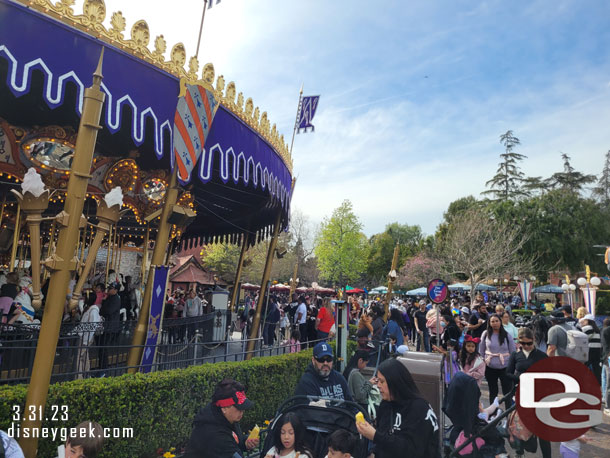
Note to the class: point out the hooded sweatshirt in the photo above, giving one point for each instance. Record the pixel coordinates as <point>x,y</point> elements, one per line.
<point>214,437</point>
<point>406,429</point>
<point>312,384</point>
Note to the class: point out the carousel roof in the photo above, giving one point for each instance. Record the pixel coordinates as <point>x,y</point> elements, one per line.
<point>47,56</point>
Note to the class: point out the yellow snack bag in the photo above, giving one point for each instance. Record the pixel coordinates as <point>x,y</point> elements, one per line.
<point>360,418</point>
<point>254,434</point>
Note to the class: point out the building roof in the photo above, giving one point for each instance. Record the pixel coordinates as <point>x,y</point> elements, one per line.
<point>188,269</point>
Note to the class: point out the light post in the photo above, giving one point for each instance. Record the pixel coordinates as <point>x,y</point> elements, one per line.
<point>569,289</point>
<point>108,214</point>
<point>33,201</point>
<point>588,286</point>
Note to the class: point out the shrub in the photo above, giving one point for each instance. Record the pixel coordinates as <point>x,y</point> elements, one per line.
<point>160,406</point>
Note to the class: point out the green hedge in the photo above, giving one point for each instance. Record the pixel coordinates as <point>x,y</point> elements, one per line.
<point>160,406</point>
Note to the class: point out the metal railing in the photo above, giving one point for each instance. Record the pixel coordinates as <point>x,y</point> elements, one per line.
<point>87,350</point>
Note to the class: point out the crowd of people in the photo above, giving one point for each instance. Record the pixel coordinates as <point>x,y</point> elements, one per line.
<point>404,419</point>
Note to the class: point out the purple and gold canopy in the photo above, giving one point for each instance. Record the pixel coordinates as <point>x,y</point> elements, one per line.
<point>47,56</point>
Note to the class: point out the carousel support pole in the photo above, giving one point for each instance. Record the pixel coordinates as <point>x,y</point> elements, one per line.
<point>240,267</point>
<point>33,207</point>
<point>21,260</point>
<point>11,267</point>
<point>107,217</point>
<point>391,278</point>
<point>265,279</point>
<point>82,252</point>
<point>2,209</point>
<point>64,261</point>
<point>108,255</point>
<point>145,254</point>
<point>122,242</point>
<point>50,246</point>
<point>163,233</point>
<point>115,235</point>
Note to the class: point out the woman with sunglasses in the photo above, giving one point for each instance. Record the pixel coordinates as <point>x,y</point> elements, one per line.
<point>518,363</point>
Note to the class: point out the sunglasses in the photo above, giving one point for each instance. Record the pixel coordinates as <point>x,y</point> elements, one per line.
<point>521,342</point>
<point>324,359</point>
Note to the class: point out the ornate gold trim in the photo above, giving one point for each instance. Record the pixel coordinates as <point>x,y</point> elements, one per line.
<point>90,22</point>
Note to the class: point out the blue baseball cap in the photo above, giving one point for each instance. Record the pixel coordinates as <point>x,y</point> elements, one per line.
<point>322,349</point>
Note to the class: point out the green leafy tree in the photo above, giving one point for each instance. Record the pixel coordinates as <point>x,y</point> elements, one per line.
<point>410,240</point>
<point>506,183</point>
<point>570,179</point>
<point>455,209</point>
<point>561,229</point>
<point>602,190</point>
<point>534,186</point>
<point>340,247</point>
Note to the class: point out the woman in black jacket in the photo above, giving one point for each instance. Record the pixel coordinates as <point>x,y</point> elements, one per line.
<point>518,363</point>
<point>407,426</point>
<point>216,431</point>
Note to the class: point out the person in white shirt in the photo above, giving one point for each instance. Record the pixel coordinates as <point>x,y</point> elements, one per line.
<point>300,319</point>
<point>91,322</point>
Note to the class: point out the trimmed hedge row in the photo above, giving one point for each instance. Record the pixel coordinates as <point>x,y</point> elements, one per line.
<point>160,406</point>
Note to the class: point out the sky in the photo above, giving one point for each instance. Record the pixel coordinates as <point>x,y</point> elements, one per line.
<point>414,95</point>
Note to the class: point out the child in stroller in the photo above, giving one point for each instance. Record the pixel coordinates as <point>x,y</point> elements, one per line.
<point>320,418</point>
<point>471,423</point>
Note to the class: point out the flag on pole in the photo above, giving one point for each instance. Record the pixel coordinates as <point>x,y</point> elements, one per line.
<point>211,2</point>
<point>192,121</point>
<point>307,111</point>
<point>525,288</point>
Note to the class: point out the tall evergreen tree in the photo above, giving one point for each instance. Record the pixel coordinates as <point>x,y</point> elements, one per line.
<point>506,184</point>
<point>569,180</point>
<point>602,190</point>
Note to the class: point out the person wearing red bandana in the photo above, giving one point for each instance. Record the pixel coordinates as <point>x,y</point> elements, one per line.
<point>216,431</point>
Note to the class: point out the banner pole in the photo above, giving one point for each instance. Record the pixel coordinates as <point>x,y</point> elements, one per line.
<point>296,122</point>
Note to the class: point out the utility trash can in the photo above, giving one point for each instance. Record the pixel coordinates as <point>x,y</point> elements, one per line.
<point>427,372</point>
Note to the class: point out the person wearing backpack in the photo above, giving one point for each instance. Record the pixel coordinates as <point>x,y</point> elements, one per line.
<point>519,362</point>
<point>590,328</point>
<point>563,340</point>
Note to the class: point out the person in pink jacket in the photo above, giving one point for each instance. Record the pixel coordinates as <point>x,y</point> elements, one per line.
<point>471,362</point>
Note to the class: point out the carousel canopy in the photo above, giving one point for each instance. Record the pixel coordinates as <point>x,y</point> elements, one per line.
<point>48,53</point>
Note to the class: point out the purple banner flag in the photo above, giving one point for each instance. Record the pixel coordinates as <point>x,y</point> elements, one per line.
<point>157,304</point>
<point>211,2</point>
<point>307,111</point>
<point>194,115</point>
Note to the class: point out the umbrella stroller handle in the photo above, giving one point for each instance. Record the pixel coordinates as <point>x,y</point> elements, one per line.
<point>490,425</point>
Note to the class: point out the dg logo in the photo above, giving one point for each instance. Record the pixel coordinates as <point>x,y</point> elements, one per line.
<point>559,399</point>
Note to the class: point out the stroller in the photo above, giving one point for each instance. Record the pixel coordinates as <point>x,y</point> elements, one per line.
<point>320,422</point>
<point>470,436</point>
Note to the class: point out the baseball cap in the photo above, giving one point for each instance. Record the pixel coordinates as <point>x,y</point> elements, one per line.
<point>588,316</point>
<point>465,310</point>
<point>422,302</point>
<point>322,349</point>
<point>113,285</point>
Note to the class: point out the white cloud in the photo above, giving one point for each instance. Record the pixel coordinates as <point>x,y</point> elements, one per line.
<point>414,95</point>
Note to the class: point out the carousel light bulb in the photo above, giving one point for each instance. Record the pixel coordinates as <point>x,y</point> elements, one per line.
<point>581,281</point>
<point>32,182</point>
<point>595,281</point>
